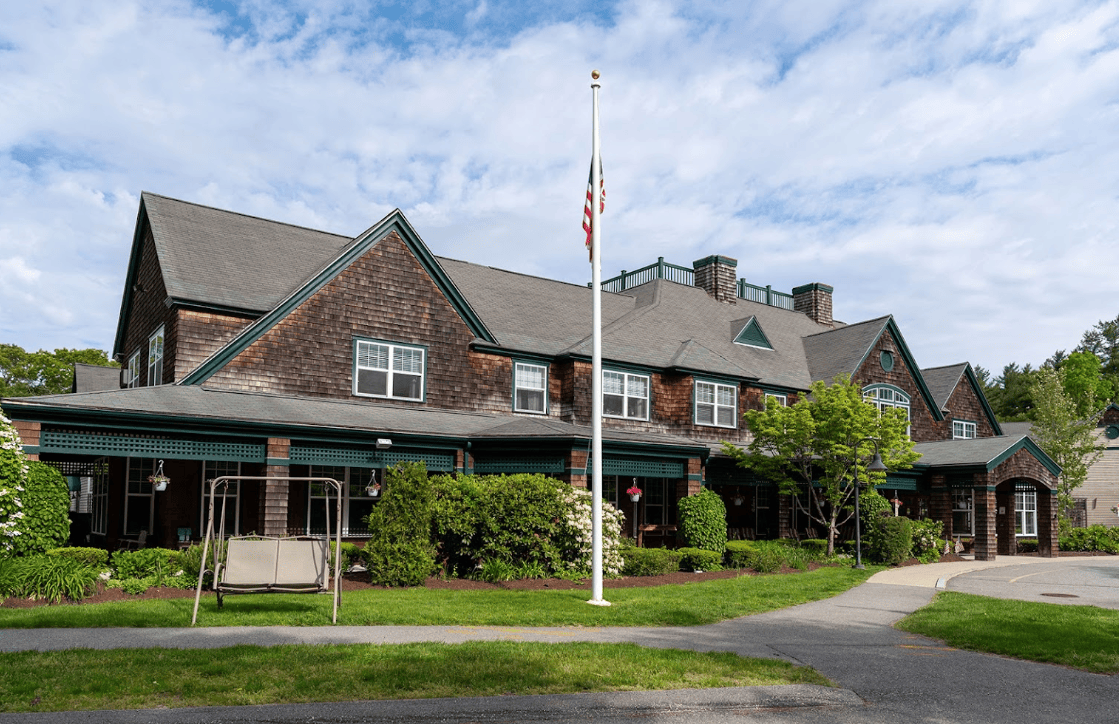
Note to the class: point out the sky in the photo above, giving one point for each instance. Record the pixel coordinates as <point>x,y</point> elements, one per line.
<point>951,163</point>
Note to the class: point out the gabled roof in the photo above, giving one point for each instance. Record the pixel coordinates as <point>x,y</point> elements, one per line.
<point>984,452</point>
<point>223,260</point>
<point>752,335</point>
<point>843,351</point>
<point>394,222</point>
<point>943,381</point>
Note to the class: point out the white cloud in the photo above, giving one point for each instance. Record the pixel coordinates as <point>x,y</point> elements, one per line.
<point>949,162</point>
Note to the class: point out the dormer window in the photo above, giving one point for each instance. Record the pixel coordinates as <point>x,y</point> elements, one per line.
<point>393,371</point>
<point>752,335</point>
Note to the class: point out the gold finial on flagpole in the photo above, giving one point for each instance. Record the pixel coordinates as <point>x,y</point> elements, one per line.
<point>595,74</point>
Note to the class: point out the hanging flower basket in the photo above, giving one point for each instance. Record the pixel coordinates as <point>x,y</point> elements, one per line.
<point>159,481</point>
<point>373,490</point>
<point>634,493</point>
<point>739,500</point>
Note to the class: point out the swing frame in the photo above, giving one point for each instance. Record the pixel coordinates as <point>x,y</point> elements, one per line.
<point>271,584</point>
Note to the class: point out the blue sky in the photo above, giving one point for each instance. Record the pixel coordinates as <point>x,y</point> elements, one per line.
<point>951,163</point>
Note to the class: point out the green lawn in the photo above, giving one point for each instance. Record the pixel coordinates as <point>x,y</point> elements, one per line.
<point>149,678</point>
<point>682,605</point>
<point>1084,637</point>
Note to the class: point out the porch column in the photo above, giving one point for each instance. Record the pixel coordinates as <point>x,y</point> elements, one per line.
<point>274,491</point>
<point>1008,541</point>
<point>1048,540</point>
<point>940,503</point>
<point>575,470</point>
<point>985,534</point>
<point>692,484</point>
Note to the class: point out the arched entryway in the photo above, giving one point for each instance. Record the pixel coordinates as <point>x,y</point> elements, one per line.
<point>1025,510</point>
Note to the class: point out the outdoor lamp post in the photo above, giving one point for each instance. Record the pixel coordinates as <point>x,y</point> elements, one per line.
<point>877,466</point>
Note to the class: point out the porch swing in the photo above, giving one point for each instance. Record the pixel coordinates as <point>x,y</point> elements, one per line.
<point>270,564</point>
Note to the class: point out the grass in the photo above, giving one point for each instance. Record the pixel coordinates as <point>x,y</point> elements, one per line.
<point>1083,637</point>
<point>691,604</point>
<point>82,679</point>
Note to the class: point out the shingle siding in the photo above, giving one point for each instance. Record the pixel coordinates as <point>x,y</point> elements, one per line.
<point>923,426</point>
<point>148,312</point>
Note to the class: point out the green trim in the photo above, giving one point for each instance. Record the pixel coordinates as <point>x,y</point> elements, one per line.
<point>713,259</point>
<point>512,353</point>
<point>370,458</point>
<point>142,222</point>
<point>1030,445</point>
<point>910,363</point>
<point>283,462</point>
<point>395,221</point>
<point>813,287</point>
<point>84,443</point>
<point>969,373</point>
<point>886,360</point>
<point>511,464</point>
<point>575,471</point>
<point>695,476</point>
<point>513,386</point>
<point>223,309</point>
<point>753,336</point>
<point>353,369</point>
<point>31,449</point>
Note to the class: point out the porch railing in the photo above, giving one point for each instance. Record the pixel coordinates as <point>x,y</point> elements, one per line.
<point>683,275</point>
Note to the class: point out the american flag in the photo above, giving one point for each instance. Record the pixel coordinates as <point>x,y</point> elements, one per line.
<point>588,210</point>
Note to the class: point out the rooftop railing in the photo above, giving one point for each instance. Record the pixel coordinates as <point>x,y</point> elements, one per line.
<point>682,275</point>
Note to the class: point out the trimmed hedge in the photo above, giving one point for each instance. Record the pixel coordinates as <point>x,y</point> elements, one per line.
<point>649,561</point>
<point>738,553</point>
<point>703,521</point>
<point>93,557</point>
<point>1093,538</point>
<point>400,551</point>
<point>699,559</point>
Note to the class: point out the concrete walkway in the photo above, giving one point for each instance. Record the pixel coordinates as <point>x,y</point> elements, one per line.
<point>849,638</point>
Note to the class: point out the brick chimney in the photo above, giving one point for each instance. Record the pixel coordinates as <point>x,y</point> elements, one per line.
<point>716,275</point>
<point>814,300</point>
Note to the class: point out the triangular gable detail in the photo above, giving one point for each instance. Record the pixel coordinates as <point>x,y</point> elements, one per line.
<point>969,373</point>
<point>753,336</point>
<point>907,356</point>
<point>130,277</point>
<point>1032,447</point>
<point>395,221</point>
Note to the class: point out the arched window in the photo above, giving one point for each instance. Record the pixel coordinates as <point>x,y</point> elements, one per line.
<point>887,396</point>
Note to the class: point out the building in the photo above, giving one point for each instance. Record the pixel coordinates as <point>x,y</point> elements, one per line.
<point>258,348</point>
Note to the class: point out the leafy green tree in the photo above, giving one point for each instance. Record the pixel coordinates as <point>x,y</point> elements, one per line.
<point>1102,340</point>
<point>23,373</point>
<point>1063,432</point>
<point>1082,375</point>
<point>810,447</point>
<point>1010,394</point>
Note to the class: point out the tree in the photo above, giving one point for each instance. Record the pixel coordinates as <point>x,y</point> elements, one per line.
<point>23,373</point>
<point>1083,381</point>
<point>808,449</point>
<point>1010,395</point>
<point>1063,432</point>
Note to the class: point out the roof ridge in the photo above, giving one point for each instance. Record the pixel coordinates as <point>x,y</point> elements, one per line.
<point>624,319</point>
<point>941,367</point>
<point>883,319</point>
<point>524,274</point>
<point>243,215</point>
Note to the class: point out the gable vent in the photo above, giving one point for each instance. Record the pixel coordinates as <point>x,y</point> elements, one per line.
<point>753,336</point>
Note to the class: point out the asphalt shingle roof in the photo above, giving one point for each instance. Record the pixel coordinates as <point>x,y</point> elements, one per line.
<point>91,378</point>
<point>232,260</point>
<point>839,351</point>
<point>202,404</point>
<point>942,381</point>
<point>980,451</point>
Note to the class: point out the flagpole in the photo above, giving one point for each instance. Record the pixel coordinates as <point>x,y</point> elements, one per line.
<point>596,356</point>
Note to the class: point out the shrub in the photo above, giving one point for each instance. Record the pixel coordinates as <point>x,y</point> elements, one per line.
<point>872,508</point>
<point>46,511</point>
<point>738,553</point>
<point>13,477</point>
<point>351,556</point>
<point>699,559</point>
<point>815,548</point>
<point>400,550</point>
<point>1027,545</point>
<point>191,561</point>
<point>890,540</point>
<point>147,562</point>
<point>928,540</point>
<point>765,557</point>
<point>650,561</point>
<point>1093,538</point>
<point>97,558</point>
<point>47,577</point>
<point>703,521</point>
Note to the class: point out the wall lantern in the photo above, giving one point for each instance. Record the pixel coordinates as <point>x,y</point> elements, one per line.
<point>383,443</point>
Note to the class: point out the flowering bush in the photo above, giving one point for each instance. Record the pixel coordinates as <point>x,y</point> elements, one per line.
<point>575,535</point>
<point>13,477</point>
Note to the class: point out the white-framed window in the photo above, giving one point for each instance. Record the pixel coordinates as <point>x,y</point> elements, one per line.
<point>781,400</point>
<point>357,503</point>
<point>530,387</point>
<point>1025,512</point>
<point>99,497</point>
<point>215,469</point>
<point>625,395</point>
<point>885,398</point>
<point>155,357</point>
<point>963,430</point>
<point>139,499</point>
<point>132,371</point>
<point>394,371</point>
<point>963,514</point>
<point>715,404</point>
